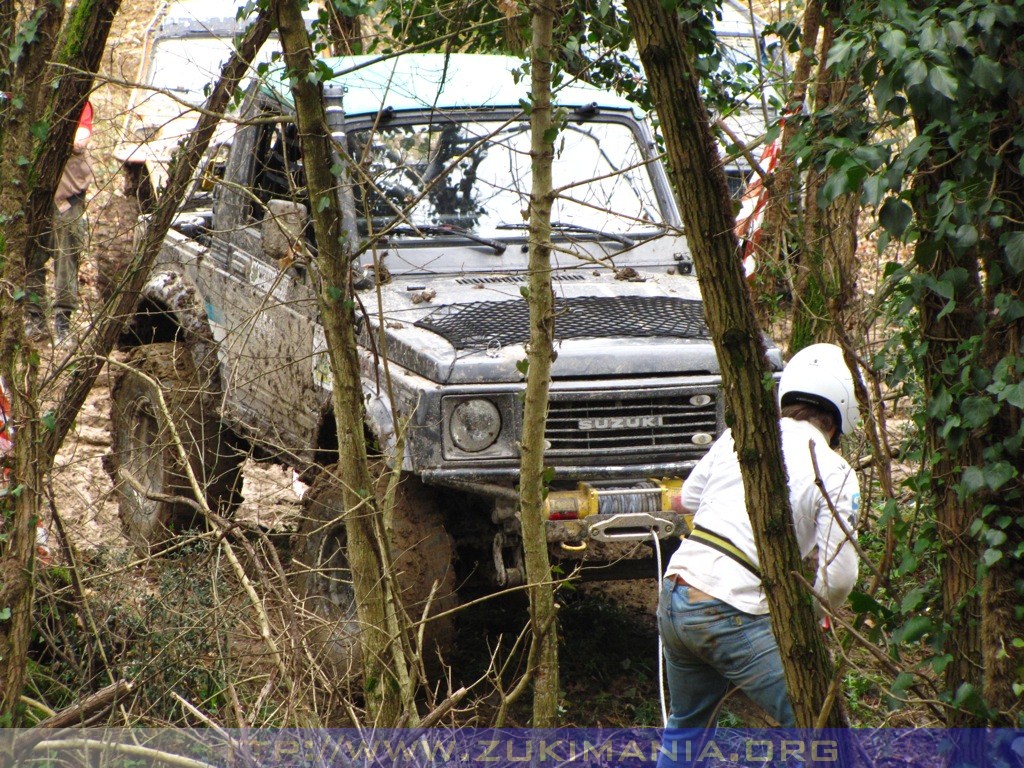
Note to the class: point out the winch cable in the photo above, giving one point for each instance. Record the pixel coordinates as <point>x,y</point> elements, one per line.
<point>661,647</point>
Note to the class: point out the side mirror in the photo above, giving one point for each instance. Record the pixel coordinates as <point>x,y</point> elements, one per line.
<point>282,231</point>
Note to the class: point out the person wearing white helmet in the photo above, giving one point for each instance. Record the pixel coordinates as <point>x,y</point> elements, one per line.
<point>712,612</point>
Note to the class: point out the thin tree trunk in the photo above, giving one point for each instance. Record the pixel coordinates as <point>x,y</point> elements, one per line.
<point>345,30</point>
<point>752,410</point>
<point>826,271</point>
<point>385,663</point>
<point>542,328</point>
<point>778,220</point>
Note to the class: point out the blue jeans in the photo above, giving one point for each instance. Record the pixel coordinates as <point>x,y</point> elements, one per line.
<point>709,645</point>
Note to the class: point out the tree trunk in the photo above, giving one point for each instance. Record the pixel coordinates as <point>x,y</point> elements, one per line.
<point>386,677</point>
<point>826,270</point>
<point>1002,622</point>
<point>953,515</point>
<point>542,329</point>
<point>777,227</point>
<point>29,170</point>
<point>345,30</point>
<point>752,410</point>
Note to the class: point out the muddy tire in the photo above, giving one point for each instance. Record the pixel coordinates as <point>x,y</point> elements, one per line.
<point>149,476</point>
<point>422,550</point>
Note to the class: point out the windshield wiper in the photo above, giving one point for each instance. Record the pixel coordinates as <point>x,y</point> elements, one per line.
<point>564,228</point>
<point>420,230</point>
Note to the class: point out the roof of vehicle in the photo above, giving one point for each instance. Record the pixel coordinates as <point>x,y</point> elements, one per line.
<point>206,18</point>
<point>438,81</point>
<point>184,18</point>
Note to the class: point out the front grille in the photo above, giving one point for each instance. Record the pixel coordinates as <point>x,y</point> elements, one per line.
<point>484,323</point>
<point>581,427</point>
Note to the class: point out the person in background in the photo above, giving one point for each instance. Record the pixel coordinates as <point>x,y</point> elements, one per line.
<point>712,612</point>
<point>65,240</point>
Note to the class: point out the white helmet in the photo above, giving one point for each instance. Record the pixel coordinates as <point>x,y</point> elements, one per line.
<point>818,375</point>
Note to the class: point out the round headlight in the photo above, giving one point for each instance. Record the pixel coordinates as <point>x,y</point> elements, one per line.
<point>475,425</point>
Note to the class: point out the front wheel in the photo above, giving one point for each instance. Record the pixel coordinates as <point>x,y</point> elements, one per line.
<point>421,549</point>
<point>158,390</point>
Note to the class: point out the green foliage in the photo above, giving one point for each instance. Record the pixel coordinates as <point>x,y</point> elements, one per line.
<point>163,630</point>
<point>176,647</point>
<point>26,35</point>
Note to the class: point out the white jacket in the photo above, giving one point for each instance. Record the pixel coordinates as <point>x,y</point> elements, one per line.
<point>715,491</point>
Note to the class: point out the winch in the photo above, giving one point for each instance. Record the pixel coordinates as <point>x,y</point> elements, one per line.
<point>616,511</point>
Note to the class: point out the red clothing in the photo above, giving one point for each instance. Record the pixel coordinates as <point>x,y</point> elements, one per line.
<point>6,430</point>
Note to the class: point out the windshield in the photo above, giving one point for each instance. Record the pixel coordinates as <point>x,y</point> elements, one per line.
<point>474,175</point>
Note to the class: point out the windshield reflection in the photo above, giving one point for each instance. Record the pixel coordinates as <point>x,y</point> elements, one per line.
<point>474,175</point>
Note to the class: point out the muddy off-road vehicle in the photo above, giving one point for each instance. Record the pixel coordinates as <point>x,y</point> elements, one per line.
<point>228,327</point>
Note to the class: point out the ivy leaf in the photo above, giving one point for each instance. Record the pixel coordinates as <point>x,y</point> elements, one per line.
<point>999,474</point>
<point>1013,244</point>
<point>874,188</point>
<point>968,696</point>
<point>913,600</point>
<point>895,216</point>
<point>1014,395</point>
<point>973,479</point>
<point>990,557</point>
<point>994,537</point>
<point>861,602</point>
<point>5,613</point>
<point>914,629</point>
<point>987,74</point>
<point>903,681</point>
<point>940,405</point>
<point>39,130</point>
<point>977,411</point>
<point>966,236</point>
<point>942,80</point>
<point>915,73</point>
<point>894,41</point>
<point>844,180</point>
<point>840,51</point>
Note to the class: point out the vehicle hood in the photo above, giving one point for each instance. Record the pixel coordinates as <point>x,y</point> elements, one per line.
<point>471,330</point>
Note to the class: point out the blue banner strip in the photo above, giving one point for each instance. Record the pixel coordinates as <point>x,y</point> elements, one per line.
<point>515,748</point>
